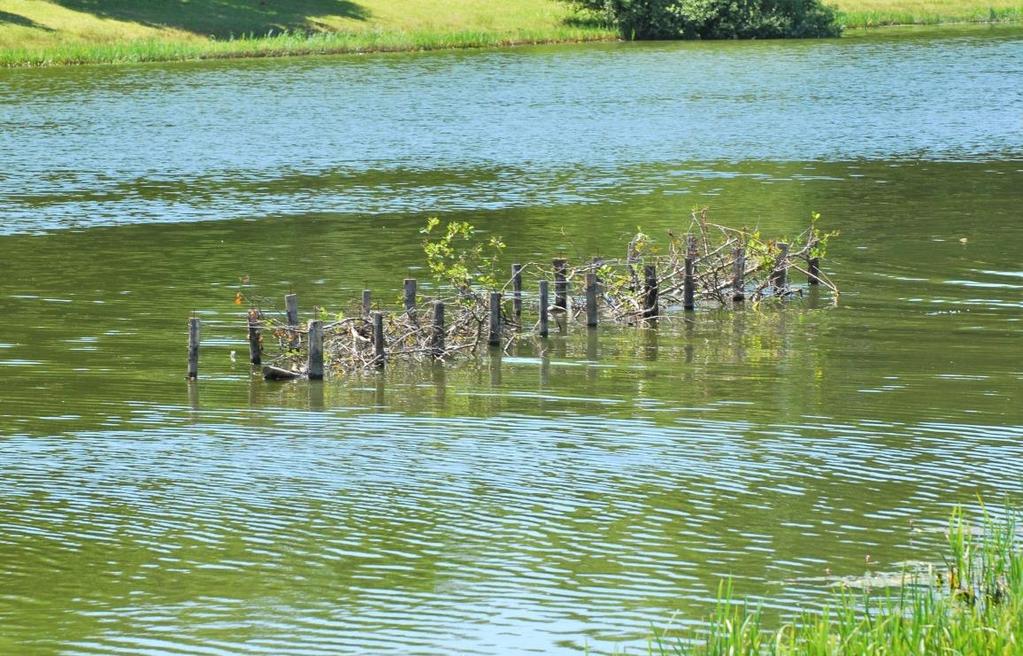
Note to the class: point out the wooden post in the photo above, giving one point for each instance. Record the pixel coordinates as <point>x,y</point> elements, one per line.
<point>193,348</point>
<point>495,318</point>
<point>780,275</point>
<point>437,338</point>
<point>739,274</point>
<point>255,338</point>
<point>689,276</point>
<point>591,300</point>
<point>410,297</point>
<point>650,310</point>
<point>560,285</point>
<point>291,308</point>
<point>315,350</point>
<point>544,304</point>
<point>379,347</point>
<point>367,302</point>
<point>517,292</point>
<point>814,271</point>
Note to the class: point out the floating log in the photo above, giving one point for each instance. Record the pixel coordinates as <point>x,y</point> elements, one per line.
<point>271,372</point>
<point>193,348</point>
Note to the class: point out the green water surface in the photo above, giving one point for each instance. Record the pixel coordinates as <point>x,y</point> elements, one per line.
<point>563,496</point>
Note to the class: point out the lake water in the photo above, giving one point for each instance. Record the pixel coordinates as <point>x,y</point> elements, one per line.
<point>536,504</point>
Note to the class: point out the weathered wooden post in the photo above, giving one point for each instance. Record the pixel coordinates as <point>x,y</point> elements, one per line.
<point>495,318</point>
<point>650,310</point>
<point>255,338</point>
<point>689,275</point>
<point>367,302</point>
<point>291,309</point>
<point>379,347</point>
<point>315,367</point>
<point>780,275</point>
<point>544,305</point>
<point>591,300</point>
<point>739,274</point>
<point>410,297</point>
<point>560,284</point>
<point>437,337</point>
<point>193,348</point>
<point>814,271</point>
<point>517,292</point>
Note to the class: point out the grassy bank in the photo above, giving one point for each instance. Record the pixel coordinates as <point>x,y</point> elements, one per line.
<point>875,13</point>
<point>44,32</point>
<point>54,32</point>
<point>972,606</point>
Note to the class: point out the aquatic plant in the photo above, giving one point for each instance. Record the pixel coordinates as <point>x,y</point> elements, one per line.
<point>973,608</point>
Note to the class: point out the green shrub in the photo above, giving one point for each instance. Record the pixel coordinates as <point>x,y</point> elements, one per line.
<point>717,19</point>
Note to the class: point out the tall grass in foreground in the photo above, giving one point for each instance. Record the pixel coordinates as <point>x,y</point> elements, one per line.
<point>974,607</point>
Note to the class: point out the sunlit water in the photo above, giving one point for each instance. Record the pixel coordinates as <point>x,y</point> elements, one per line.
<point>556,498</point>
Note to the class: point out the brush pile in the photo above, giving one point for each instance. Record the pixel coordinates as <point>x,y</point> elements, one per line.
<point>711,266</point>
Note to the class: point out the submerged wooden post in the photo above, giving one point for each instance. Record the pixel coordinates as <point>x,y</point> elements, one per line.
<point>544,304</point>
<point>780,275</point>
<point>560,284</point>
<point>813,271</point>
<point>291,309</point>
<point>689,275</point>
<point>591,300</point>
<point>517,292</point>
<point>379,348</point>
<point>437,335</point>
<point>495,318</point>
<point>193,348</point>
<point>255,338</point>
<point>315,350</point>
<point>410,297</point>
<point>739,274</point>
<point>367,302</point>
<point>650,310</point>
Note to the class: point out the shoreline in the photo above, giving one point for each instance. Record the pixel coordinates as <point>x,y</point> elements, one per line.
<point>341,43</point>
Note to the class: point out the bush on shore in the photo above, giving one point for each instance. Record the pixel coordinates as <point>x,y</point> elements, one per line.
<point>716,19</point>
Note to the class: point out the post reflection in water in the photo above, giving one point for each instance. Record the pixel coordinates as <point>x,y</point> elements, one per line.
<point>316,389</point>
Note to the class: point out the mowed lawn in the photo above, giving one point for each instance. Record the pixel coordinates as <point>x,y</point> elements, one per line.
<point>39,32</point>
<point>71,31</point>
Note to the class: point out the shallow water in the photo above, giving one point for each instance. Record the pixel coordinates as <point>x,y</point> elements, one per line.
<point>543,502</point>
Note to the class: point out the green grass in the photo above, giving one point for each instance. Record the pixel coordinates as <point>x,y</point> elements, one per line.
<point>53,32</point>
<point>279,45</point>
<point>974,608</point>
<point>877,13</point>
<point>48,32</point>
